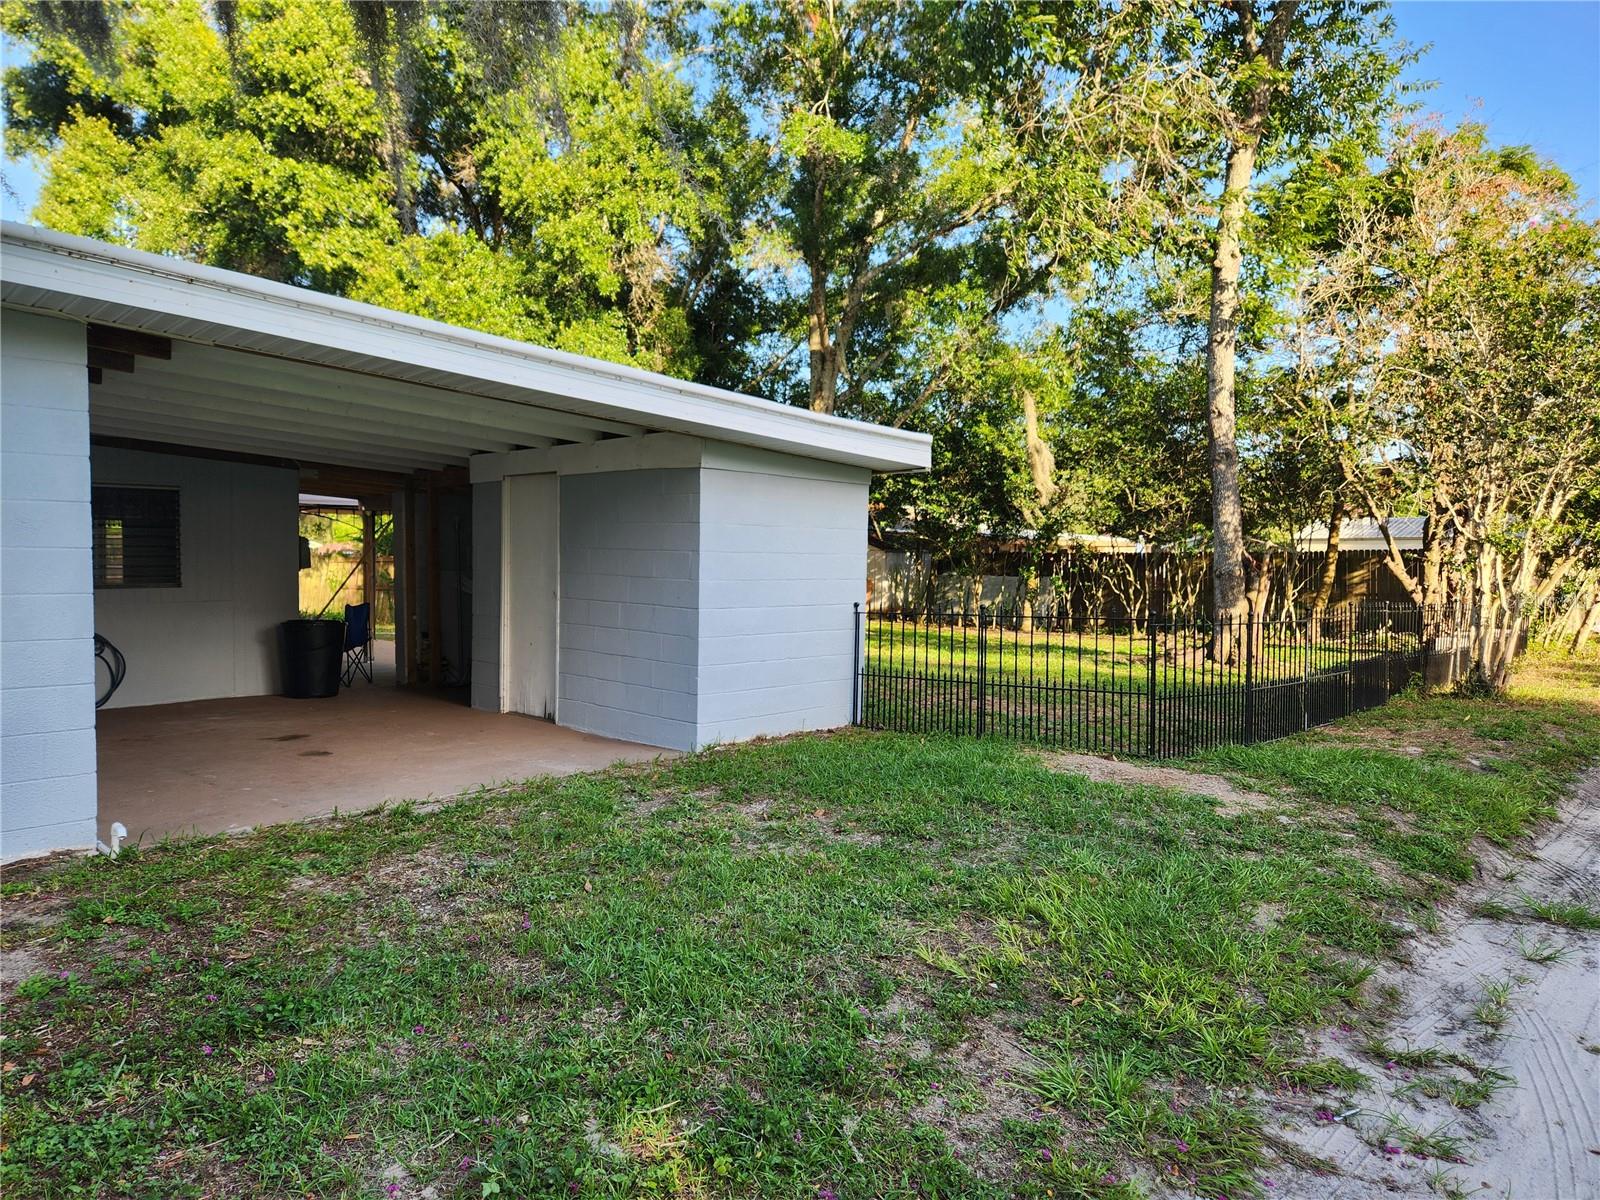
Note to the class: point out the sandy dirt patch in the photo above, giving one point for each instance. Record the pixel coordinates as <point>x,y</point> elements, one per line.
<point>1230,798</point>
<point>1539,1137</point>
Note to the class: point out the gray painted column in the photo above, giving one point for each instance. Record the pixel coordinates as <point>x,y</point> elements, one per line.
<point>486,596</point>
<point>47,665</point>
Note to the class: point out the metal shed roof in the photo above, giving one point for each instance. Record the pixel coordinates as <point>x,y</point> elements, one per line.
<point>264,367</point>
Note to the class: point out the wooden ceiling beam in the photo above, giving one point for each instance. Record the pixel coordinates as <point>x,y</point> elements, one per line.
<point>109,360</point>
<point>127,341</point>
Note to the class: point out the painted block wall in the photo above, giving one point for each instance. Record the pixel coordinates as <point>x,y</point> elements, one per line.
<point>486,596</point>
<point>216,635</point>
<point>783,557</point>
<point>47,749</point>
<point>629,595</point>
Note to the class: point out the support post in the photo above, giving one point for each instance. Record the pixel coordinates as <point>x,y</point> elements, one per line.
<point>410,583</point>
<point>1249,676</point>
<point>982,670</point>
<point>1150,626</point>
<point>369,557</point>
<point>435,591</point>
<point>855,670</point>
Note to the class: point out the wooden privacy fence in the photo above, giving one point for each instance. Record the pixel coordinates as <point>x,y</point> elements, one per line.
<point>332,581</point>
<point>1158,688</point>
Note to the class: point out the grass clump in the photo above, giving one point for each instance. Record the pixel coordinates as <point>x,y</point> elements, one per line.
<point>1569,914</point>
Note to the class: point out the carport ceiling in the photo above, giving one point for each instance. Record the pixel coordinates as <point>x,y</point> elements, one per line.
<point>258,367</point>
<point>256,403</point>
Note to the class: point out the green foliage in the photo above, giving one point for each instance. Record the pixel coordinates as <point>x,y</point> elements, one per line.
<point>990,221</point>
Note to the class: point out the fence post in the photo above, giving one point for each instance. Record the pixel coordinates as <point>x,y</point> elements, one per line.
<point>1249,676</point>
<point>1150,625</point>
<point>982,655</point>
<point>1350,661</point>
<point>855,670</point>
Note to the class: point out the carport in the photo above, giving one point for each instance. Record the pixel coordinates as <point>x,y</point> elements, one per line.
<point>621,554</point>
<point>219,766</point>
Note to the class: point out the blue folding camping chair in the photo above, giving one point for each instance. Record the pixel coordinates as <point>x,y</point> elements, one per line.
<point>357,643</point>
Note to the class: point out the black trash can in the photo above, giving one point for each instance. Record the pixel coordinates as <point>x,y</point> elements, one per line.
<point>310,652</point>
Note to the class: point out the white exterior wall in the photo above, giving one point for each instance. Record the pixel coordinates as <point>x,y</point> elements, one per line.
<point>629,594</point>
<point>783,558</point>
<point>47,749</point>
<point>217,634</point>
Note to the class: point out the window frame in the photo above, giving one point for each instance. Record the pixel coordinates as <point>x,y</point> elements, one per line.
<point>101,499</point>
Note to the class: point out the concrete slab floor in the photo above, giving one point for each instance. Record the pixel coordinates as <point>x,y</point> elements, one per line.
<point>215,766</point>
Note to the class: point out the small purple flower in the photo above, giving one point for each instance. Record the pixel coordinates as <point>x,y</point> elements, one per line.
<point>1389,1066</point>
<point>418,1030</point>
<point>527,922</point>
<point>1108,1177</point>
<point>1046,1156</point>
<point>66,974</point>
<point>211,997</point>
<point>206,1049</point>
<point>824,1192</point>
<point>799,1138</point>
<point>1269,1183</point>
<point>1183,1146</point>
<point>1387,1149</point>
<point>467,1163</point>
<point>1324,1114</point>
<point>392,1189</point>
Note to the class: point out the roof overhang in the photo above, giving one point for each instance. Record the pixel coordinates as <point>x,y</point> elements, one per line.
<point>263,367</point>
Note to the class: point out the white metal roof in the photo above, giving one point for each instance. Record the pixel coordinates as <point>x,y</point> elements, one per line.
<point>1363,533</point>
<point>263,367</point>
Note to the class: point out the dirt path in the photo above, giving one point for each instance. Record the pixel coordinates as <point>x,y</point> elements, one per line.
<point>1538,1138</point>
<point>1113,770</point>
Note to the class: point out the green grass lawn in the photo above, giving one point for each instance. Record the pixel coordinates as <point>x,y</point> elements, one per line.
<point>855,965</point>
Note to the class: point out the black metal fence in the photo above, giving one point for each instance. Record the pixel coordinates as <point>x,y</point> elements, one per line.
<point>1158,688</point>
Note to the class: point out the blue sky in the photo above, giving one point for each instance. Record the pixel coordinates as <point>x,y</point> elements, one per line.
<point>1530,69</point>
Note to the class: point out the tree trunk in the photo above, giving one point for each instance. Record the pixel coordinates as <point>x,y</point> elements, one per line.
<point>1041,459</point>
<point>824,360</point>
<point>1591,619</point>
<point>1227,511</point>
<point>1257,48</point>
<point>1330,562</point>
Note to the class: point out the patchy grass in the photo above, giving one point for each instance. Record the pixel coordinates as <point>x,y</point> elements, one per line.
<point>1427,776</point>
<point>857,965</point>
<point>1570,914</point>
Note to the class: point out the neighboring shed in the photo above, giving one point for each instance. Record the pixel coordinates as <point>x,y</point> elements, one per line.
<point>619,552</point>
<point>1363,533</point>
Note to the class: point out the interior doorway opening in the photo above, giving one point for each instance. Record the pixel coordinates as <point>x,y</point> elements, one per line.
<point>404,546</point>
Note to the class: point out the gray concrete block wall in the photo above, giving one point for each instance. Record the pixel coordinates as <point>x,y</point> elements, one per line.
<point>217,634</point>
<point>47,687</point>
<point>629,624</point>
<point>783,547</point>
<point>486,501</point>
